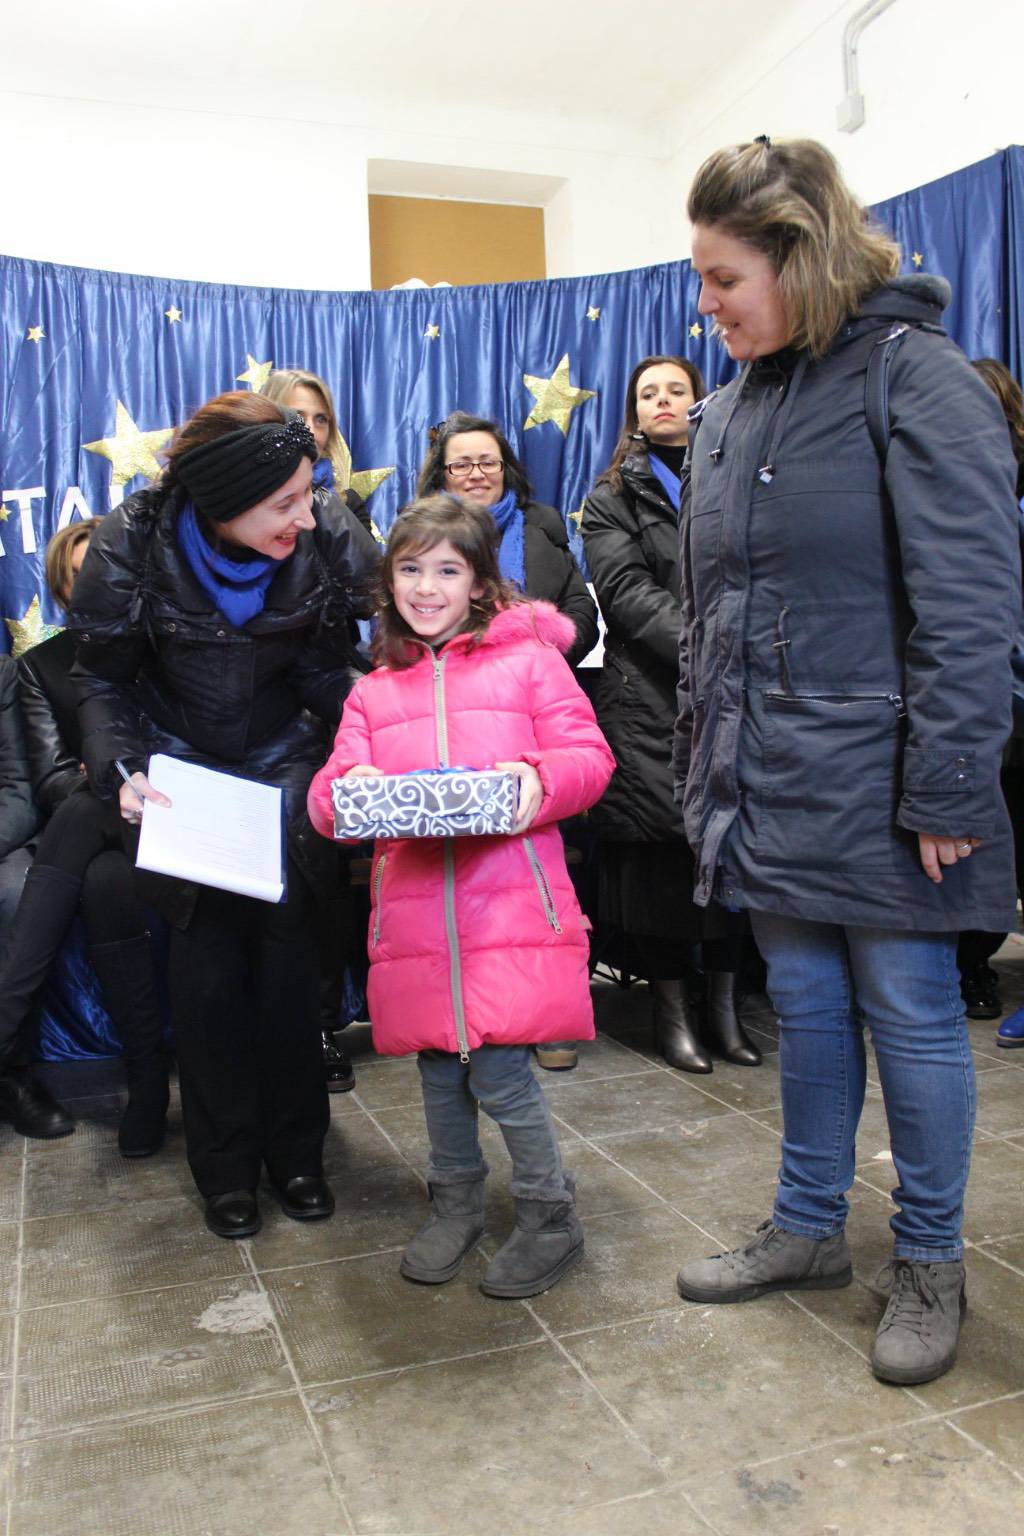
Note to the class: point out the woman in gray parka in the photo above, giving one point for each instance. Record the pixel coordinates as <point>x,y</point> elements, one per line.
<point>849,602</point>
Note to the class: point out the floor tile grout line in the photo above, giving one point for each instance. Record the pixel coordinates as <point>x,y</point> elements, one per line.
<point>420,1365</point>
<point>140,1290</point>
<point>16,1334</point>
<point>584,1376</point>
<point>152,1415</point>
<point>899,1426</point>
<point>987,1449</point>
<point>307,1411</point>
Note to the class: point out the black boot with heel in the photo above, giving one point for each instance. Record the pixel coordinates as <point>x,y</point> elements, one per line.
<point>676,1027</point>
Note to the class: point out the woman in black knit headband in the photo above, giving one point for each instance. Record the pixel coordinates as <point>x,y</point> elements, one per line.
<point>211,618</point>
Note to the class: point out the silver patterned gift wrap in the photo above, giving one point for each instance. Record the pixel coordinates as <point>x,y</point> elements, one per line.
<point>435,802</point>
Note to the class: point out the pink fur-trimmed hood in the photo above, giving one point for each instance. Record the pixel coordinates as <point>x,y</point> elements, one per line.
<point>537,620</point>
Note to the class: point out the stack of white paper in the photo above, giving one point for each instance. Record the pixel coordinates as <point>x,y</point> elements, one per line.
<point>218,830</point>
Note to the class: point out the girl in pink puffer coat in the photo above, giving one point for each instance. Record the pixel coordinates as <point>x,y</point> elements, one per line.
<point>478,947</point>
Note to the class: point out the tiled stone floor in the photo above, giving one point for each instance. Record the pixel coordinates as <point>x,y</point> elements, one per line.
<point>156,1381</point>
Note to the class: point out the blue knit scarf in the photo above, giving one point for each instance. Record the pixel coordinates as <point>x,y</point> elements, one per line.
<point>512,550</point>
<point>671,484</point>
<point>323,474</point>
<point>237,587</point>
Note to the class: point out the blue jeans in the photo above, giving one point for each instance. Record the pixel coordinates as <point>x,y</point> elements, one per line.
<point>826,982</point>
<point>499,1078</point>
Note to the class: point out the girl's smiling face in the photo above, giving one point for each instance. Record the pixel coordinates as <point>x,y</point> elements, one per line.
<point>433,589</point>
<point>740,292</point>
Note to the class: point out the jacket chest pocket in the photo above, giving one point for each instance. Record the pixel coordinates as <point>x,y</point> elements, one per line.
<point>830,780</point>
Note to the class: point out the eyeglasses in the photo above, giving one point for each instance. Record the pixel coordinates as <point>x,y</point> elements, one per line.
<point>460,468</point>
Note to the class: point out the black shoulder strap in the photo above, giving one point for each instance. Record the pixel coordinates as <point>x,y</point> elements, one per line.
<point>876,388</point>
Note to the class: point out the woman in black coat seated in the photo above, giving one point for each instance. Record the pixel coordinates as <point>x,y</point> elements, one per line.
<point>211,617</point>
<point>631,535</point>
<point>23,1102</point>
<point>80,866</point>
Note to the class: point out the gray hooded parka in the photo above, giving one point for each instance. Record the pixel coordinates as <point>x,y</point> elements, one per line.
<point>847,628</point>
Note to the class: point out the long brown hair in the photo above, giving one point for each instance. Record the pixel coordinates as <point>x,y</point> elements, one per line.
<point>279,386</point>
<point>1008,392</point>
<point>423,524</point>
<point>790,202</point>
<point>59,554</point>
<point>631,436</point>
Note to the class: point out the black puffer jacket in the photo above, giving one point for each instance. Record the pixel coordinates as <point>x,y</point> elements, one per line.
<point>553,575</point>
<point>845,666</point>
<point>19,818</point>
<point>632,543</point>
<point>49,710</point>
<point>159,669</point>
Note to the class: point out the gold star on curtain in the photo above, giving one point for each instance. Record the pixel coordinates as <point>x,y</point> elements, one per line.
<point>255,374</point>
<point>130,451</point>
<point>556,398</point>
<point>30,629</point>
<point>173,314</point>
<point>5,513</point>
<point>696,330</point>
<point>36,333</point>
<point>432,332</point>
<point>917,258</point>
<point>365,481</point>
<point>593,312</point>
<point>577,516</point>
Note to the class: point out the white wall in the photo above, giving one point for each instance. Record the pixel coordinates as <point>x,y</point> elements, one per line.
<point>275,192</point>
<point>941,83</point>
<point>282,202</point>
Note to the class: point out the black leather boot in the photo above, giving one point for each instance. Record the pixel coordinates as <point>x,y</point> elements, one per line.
<point>31,1108</point>
<point>125,973</point>
<point>338,1069</point>
<point>48,904</point>
<point>676,1027</point>
<point>725,1033</point>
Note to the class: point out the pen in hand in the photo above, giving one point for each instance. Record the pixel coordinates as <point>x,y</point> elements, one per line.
<point>140,793</point>
<point>123,771</point>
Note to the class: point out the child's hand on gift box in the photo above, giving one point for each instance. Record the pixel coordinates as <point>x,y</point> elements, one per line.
<point>531,791</point>
<point>363,771</point>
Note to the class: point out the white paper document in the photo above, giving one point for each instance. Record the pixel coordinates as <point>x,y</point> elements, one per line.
<point>218,830</point>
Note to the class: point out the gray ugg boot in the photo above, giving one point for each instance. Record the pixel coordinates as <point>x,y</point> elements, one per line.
<point>547,1241</point>
<point>917,1337</point>
<point>455,1227</point>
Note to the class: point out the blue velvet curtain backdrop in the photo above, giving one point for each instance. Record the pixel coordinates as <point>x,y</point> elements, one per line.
<point>97,368</point>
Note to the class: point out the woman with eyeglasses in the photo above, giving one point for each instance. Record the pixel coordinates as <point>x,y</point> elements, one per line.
<point>471,457</point>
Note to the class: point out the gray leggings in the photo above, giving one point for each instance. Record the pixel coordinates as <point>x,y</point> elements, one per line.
<point>498,1078</point>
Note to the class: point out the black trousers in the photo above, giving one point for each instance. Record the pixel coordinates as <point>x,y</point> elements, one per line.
<point>976,947</point>
<point>245,1005</point>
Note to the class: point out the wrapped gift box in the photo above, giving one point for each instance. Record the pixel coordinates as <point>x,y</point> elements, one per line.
<point>436,802</point>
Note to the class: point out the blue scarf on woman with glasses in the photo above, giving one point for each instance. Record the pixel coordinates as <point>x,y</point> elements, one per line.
<point>508,515</point>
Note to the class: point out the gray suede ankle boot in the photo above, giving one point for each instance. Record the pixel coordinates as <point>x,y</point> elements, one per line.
<point>917,1337</point>
<point>547,1241</point>
<point>455,1227</point>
